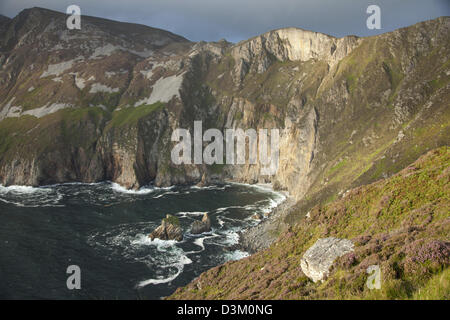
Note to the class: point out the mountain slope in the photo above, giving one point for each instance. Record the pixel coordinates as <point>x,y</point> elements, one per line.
<point>63,86</point>
<point>101,103</point>
<point>401,224</point>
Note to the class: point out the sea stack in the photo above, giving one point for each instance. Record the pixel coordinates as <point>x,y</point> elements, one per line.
<point>168,230</point>
<point>201,226</point>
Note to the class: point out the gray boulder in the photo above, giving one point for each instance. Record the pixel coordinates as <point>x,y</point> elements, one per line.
<point>201,226</point>
<point>318,259</point>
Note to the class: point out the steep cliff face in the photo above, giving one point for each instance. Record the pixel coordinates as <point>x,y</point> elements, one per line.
<point>399,225</point>
<point>102,102</point>
<point>289,44</point>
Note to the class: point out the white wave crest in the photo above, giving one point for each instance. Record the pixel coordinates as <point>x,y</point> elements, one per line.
<point>190,213</point>
<point>144,190</point>
<point>179,266</point>
<point>236,255</point>
<point>31,197</point>
<point>23,189</point>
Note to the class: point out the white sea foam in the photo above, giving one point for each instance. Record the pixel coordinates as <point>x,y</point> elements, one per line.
<point>180,267</point>
<point>265,206</point>
<point>32,197</point>
<point>200,242</point>
<point>159,281</point>
<point>165,193</point>
<point>220,221</point>
<point>231,237</point>
<point>144,190</point>
<point>166,260</point>
<point>223,209</point>
<point>236,255</point>
<point>22,189</point>
<point>164,246</point>
<point>190,213</point>
<point>123,242</point>
<point>161,245</point>
<point>210,187</point>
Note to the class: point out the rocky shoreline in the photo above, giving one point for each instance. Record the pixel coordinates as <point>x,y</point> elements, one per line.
<point>265,233</point>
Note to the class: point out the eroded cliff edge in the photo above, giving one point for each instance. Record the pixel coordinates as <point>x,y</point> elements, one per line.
<point>101,103</point>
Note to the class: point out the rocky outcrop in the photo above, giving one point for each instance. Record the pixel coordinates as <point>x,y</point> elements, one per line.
<point>288,44</point>
<point>257,216</point>
<point>399,233</point>
<point>101,103</point>
<point>3,23</point>
<point>168,230</point>
<point>201,226</point>
<point>203,182</point>
<point>318,259</point>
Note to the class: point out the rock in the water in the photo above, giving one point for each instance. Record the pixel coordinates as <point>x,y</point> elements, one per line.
<point>318,259</point>
<point>257,216</point>
<point>168,230</point>
<point>203,182</point>
<point>201,226</point>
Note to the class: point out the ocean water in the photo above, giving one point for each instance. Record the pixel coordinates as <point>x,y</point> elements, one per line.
<point>103,229</point>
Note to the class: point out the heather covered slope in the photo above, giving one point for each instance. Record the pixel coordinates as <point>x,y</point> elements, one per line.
<point>101,103</point>
<point>401,224</point>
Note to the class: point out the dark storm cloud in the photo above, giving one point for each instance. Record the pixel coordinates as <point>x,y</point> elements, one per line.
<point>241,19</point>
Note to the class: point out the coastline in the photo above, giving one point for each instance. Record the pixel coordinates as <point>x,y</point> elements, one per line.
<point>261,236</point>
<point>251,240</point>
<point>126,237</point>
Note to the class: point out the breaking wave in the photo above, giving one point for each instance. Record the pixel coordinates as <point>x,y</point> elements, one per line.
<point>166,261</point>
<point>32,197</point>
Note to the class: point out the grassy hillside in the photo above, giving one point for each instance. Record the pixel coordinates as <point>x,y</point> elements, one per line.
<point>401,224</point>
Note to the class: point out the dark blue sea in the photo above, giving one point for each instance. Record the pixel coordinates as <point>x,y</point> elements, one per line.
<point>103,229</point>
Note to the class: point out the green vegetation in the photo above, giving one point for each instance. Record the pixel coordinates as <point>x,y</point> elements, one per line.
<point>348,115</point>
<point>172,220</point>
<point>238,116</point>
<point>400,224</point>
<point>130,116</point>
<point>437,288</point>
<point>28,135</point>
<point>216,168</point>
<point>338,166</point>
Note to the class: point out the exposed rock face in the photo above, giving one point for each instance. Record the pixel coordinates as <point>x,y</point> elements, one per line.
<point>405,244</point>
<point>318,259</point>
<point>201,226</point>
<point>168,230</point>
<point>289,44</point>
<point>3,22</point>
<point>203,182</point>
<point>101,103</point>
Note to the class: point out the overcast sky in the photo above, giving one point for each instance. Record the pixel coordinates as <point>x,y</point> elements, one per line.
<point>237,20</point>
